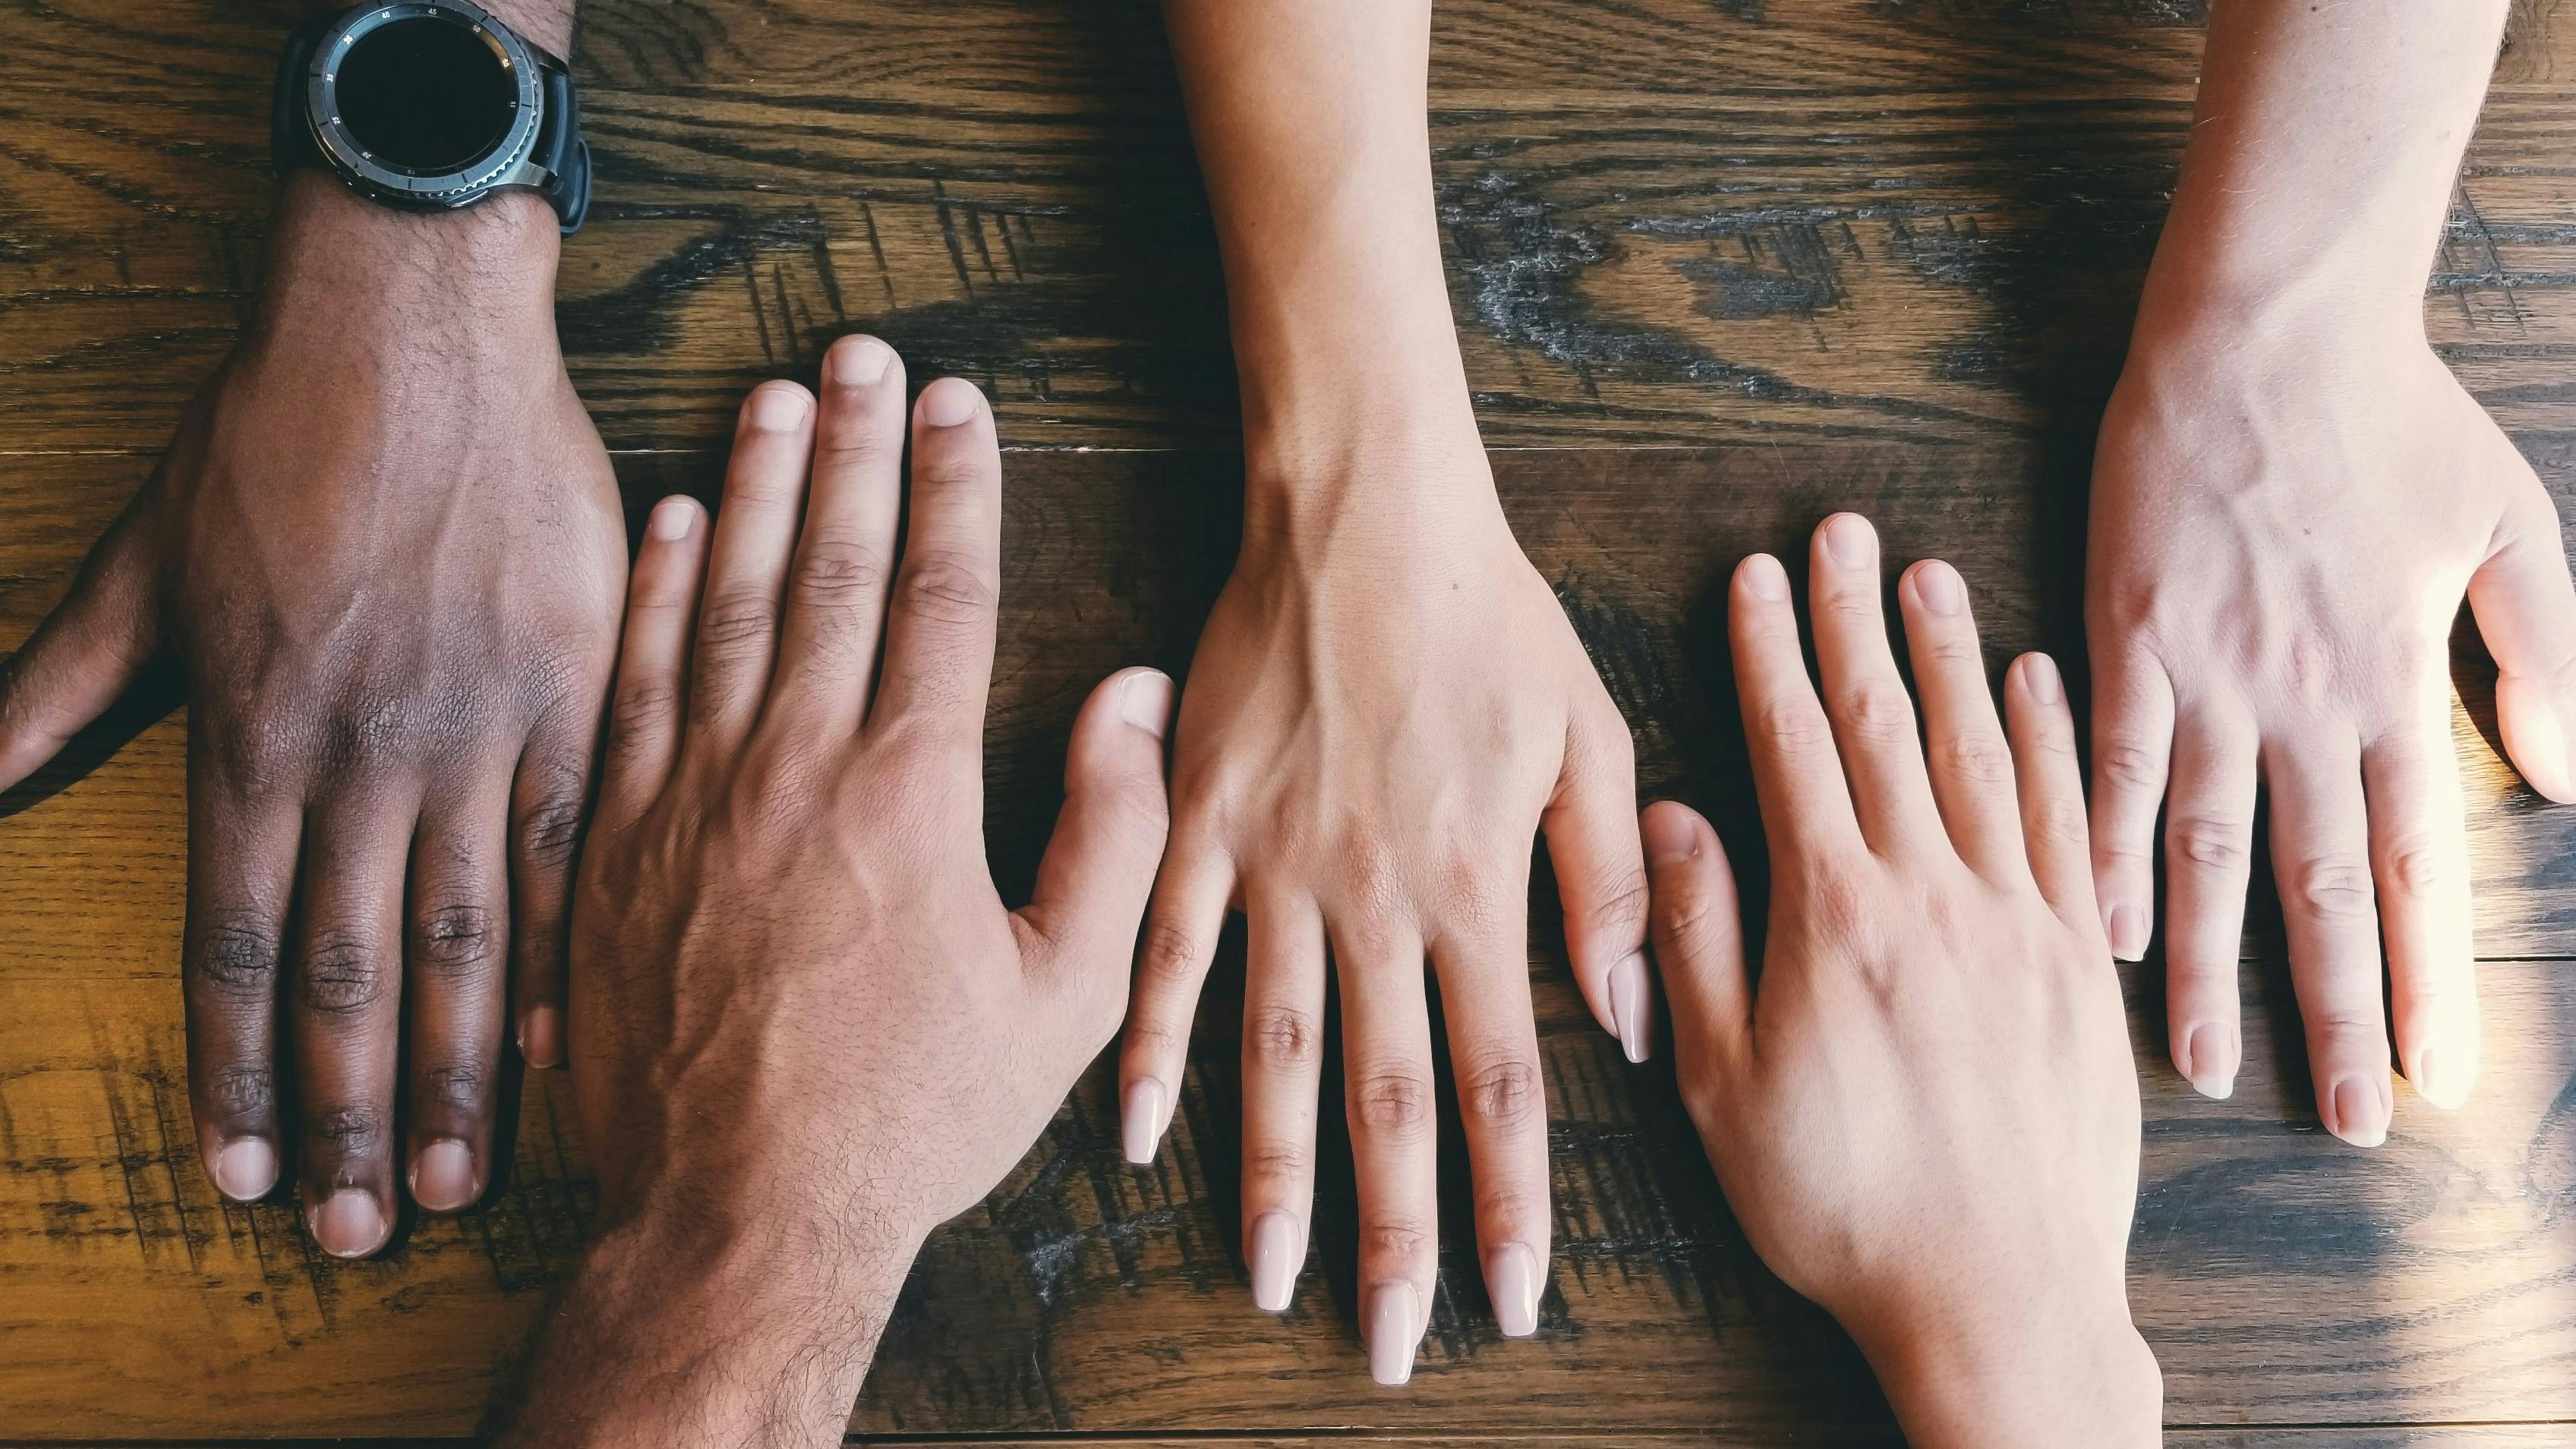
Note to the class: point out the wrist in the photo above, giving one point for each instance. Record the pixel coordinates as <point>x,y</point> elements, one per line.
<point>336,259</point>
<point>699,1319</point>
<point>2028,1369</point>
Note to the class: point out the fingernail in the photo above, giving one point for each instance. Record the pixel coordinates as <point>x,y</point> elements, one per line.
<point>777,407</point>
<point>1938,586</point>
<point>2128,931</point>
<point>2039,676</point>
<point>1141,1119</point>
<point>1850,542</point>
<point>348,1224</point>
<point>1511,1276</point>
<point>442,1177</point>
<point>2439,1079</point>
<point>1277,1254</point>
<point>2360,1112</point>
<point>1764,578</point>
<point>1394,1327</point>
<point>1145,701</point>
<point>2209,1057</point>
<point>1669,837</point>
<point>246,1169</point>
<point>541,1037</point>
<point>1628,1005</point>
<point>856,361</point>
<point>950,401</point>
<point>671,519</point>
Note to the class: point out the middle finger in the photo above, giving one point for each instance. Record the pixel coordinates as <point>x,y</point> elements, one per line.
<point>1386,1065</point>
<point>1872,715</point>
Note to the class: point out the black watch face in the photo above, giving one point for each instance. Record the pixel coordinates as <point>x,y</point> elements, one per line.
<point>424,94</point>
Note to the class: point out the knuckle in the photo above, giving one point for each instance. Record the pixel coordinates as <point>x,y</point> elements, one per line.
<point>1169,962</point>
<point>2416,868</point>
<point>2210,842</point>
<point>1393,1104</point>
<point>241,1092</point>
<point>549,830</point>
<point>1877,712</point>
<point>1503,1094</point>
<point>2059,823</point>
<point>342,975</point>
<point>736,621</point>
<point>1796,731</point>
<point>1283,1039</point>
<point>948,588</point>
<point>642,707</point>
<point>838,569</point>
<point>2333,888</point>
<point>1979,757</point>
<point>1620,899</point>
<point>1279,1162</point>
<point>1401,1240</point>
<point>454,938</point>
<point>2131,766</point>
<point>459,1086</point>
<point>347,1132</point>
<point>238,958</point>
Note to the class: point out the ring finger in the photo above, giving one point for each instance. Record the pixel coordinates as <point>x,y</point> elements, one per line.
<point>454,974</point>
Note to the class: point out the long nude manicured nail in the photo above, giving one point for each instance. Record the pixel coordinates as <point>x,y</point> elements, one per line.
<point>2209,1054</point>
<point>348,1224</point>
<point>541,1037</point>
<point>2127,927</point>
<point>1394,1327</point>
<point>245,1169</point>
<point>2360,1112</point>
<point>1278,1251</point>
<point>1628,1005</point>
<point>1140,1115</point>
<point>443,1177</point>
<point>1511,1276</point>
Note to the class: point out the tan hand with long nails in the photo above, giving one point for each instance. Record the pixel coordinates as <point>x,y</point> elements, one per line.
<point>1370,737</point>
<point>805,1029</point>
<point>1926,1115</point>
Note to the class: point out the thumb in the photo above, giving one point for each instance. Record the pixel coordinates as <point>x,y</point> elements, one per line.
<point>1698,931</point>
<point>82,656</point>
<point>1099,866</point>
<point>2526,610</point>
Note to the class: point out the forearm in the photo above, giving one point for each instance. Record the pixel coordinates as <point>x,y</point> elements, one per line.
<point>1310,122</point>
<point>2322,156</point>
<point>689,1335</point>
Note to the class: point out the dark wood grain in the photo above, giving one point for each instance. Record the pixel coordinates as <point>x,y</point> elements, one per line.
<point>1721,266</point>
<point>2283,1277</point>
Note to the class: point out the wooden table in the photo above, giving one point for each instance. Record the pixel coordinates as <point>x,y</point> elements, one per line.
<point>1721,266</point>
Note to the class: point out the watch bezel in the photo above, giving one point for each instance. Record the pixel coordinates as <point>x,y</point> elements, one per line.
<point>461,187</point>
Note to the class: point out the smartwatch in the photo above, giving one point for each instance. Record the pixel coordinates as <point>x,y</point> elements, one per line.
<point>430,105</point>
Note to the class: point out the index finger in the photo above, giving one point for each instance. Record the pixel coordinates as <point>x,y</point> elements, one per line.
<point>939,641</point>
<point>1797,774</point>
